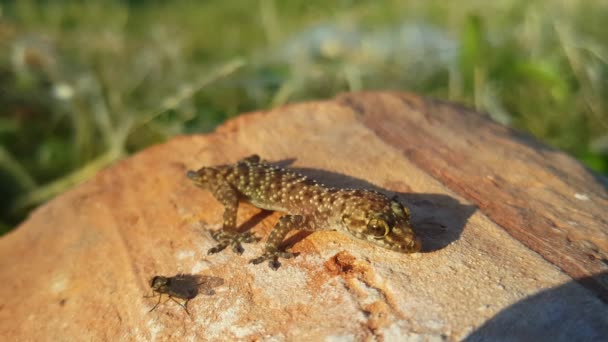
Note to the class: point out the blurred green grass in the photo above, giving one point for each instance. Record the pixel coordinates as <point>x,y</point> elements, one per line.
<point>83,84</point>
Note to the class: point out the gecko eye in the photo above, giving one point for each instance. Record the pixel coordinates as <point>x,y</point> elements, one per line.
<point>379,228</point>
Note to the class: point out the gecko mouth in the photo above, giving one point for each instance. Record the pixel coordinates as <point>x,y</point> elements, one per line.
<point>416,245</point>
<point>412,246</point>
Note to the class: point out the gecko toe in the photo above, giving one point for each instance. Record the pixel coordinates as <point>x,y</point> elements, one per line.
<point>273,261</point>
<point>237,248</point>
<point>257,260</point>
<point>273,258</point>
<point>274,264</point>
<point>287,255</point>
<point>216,249</point>
<point>230,238</point>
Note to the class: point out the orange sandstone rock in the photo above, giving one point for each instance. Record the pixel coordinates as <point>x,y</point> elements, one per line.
<point>515,237</point>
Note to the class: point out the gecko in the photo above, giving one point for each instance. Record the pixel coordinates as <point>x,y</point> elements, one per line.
<point>308,205</point>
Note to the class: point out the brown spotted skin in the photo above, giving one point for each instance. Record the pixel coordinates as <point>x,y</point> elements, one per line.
<point>364,214</point>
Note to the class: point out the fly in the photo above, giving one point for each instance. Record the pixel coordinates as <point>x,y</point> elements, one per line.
<point>182,286</point>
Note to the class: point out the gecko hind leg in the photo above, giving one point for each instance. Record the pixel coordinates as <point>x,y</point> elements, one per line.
<point>230,238</point>
<point>272,252</point>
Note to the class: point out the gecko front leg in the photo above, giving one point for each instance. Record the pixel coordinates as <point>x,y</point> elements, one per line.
<point>272,252</point>
<point>228,236</point>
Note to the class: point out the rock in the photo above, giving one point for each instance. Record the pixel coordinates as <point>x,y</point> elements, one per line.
<point>515,237</point>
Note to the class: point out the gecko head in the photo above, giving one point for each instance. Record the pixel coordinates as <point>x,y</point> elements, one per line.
<point>196,177</point>
<point>193,175</point>
<point>386,224</point>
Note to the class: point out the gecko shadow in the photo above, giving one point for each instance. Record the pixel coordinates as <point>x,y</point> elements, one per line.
<point>564,313</point>
<point>437,219</point>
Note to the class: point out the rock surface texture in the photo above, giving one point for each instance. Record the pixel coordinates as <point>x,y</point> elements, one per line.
<point>515,237</point>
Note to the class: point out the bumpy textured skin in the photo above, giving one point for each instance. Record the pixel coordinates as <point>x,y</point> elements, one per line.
<point>364,214</point>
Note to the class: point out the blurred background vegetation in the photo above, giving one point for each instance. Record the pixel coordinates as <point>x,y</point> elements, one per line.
<point>85,83</point>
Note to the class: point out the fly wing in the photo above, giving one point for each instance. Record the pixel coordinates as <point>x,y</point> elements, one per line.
<point>206,284</point>
<point>184,286</point>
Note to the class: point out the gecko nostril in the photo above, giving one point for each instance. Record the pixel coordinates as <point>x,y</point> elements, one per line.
<point>191,174</point>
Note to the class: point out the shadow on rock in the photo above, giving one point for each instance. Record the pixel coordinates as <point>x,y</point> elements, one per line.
<point>565,313</point>
<point>437,219</point>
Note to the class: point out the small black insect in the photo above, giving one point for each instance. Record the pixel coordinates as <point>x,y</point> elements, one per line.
<point>183,286</point>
